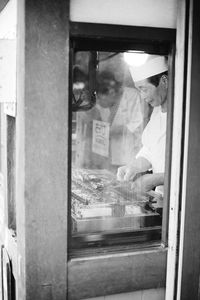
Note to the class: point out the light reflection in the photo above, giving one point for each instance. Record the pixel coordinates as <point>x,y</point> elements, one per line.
<point>135,58</point>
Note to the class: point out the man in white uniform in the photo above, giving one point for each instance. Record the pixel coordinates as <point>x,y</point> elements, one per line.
<point>121,108</point>
<point>152,81</point>
<point>109,134</point>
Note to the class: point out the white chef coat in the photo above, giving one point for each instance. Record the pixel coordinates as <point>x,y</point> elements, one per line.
<point>154,140</point>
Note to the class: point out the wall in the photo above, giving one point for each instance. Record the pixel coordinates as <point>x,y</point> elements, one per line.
<point>41,136</point>
<point>125,12</point>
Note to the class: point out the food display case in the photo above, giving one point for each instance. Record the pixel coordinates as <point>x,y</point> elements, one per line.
<point>102,203</point>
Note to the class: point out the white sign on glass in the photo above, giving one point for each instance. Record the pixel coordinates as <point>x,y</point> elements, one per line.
<point>100,138</point>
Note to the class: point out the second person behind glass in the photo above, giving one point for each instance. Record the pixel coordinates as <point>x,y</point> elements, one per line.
<point>121,109</point>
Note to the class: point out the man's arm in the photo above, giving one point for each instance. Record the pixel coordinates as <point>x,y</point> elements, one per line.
<point>148,182</point>
<point>128,172</point>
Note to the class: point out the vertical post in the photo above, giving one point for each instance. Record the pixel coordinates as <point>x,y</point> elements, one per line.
<point>176,158</point>
<point>42,149</point>
<point>189,257</point>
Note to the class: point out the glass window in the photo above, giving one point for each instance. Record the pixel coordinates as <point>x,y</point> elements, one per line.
<point>119,103</point>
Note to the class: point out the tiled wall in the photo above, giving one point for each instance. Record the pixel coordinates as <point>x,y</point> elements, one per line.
<point>152,294</point>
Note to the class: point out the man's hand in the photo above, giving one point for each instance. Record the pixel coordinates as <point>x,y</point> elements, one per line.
<point>147,182</point>
<point>126,173</point>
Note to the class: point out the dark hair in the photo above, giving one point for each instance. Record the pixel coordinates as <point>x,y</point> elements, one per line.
<point>156,78</point>
<point>106,81</point>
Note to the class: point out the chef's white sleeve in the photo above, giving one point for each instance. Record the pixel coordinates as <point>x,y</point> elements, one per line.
<point>145,153</point>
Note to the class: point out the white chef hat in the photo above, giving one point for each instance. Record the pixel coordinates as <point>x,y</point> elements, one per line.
<point>154,64</point>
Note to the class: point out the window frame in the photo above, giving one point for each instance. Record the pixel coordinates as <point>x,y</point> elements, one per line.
<point>88,266</point>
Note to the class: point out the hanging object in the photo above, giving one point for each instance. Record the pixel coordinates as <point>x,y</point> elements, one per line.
<point>84,95</point>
